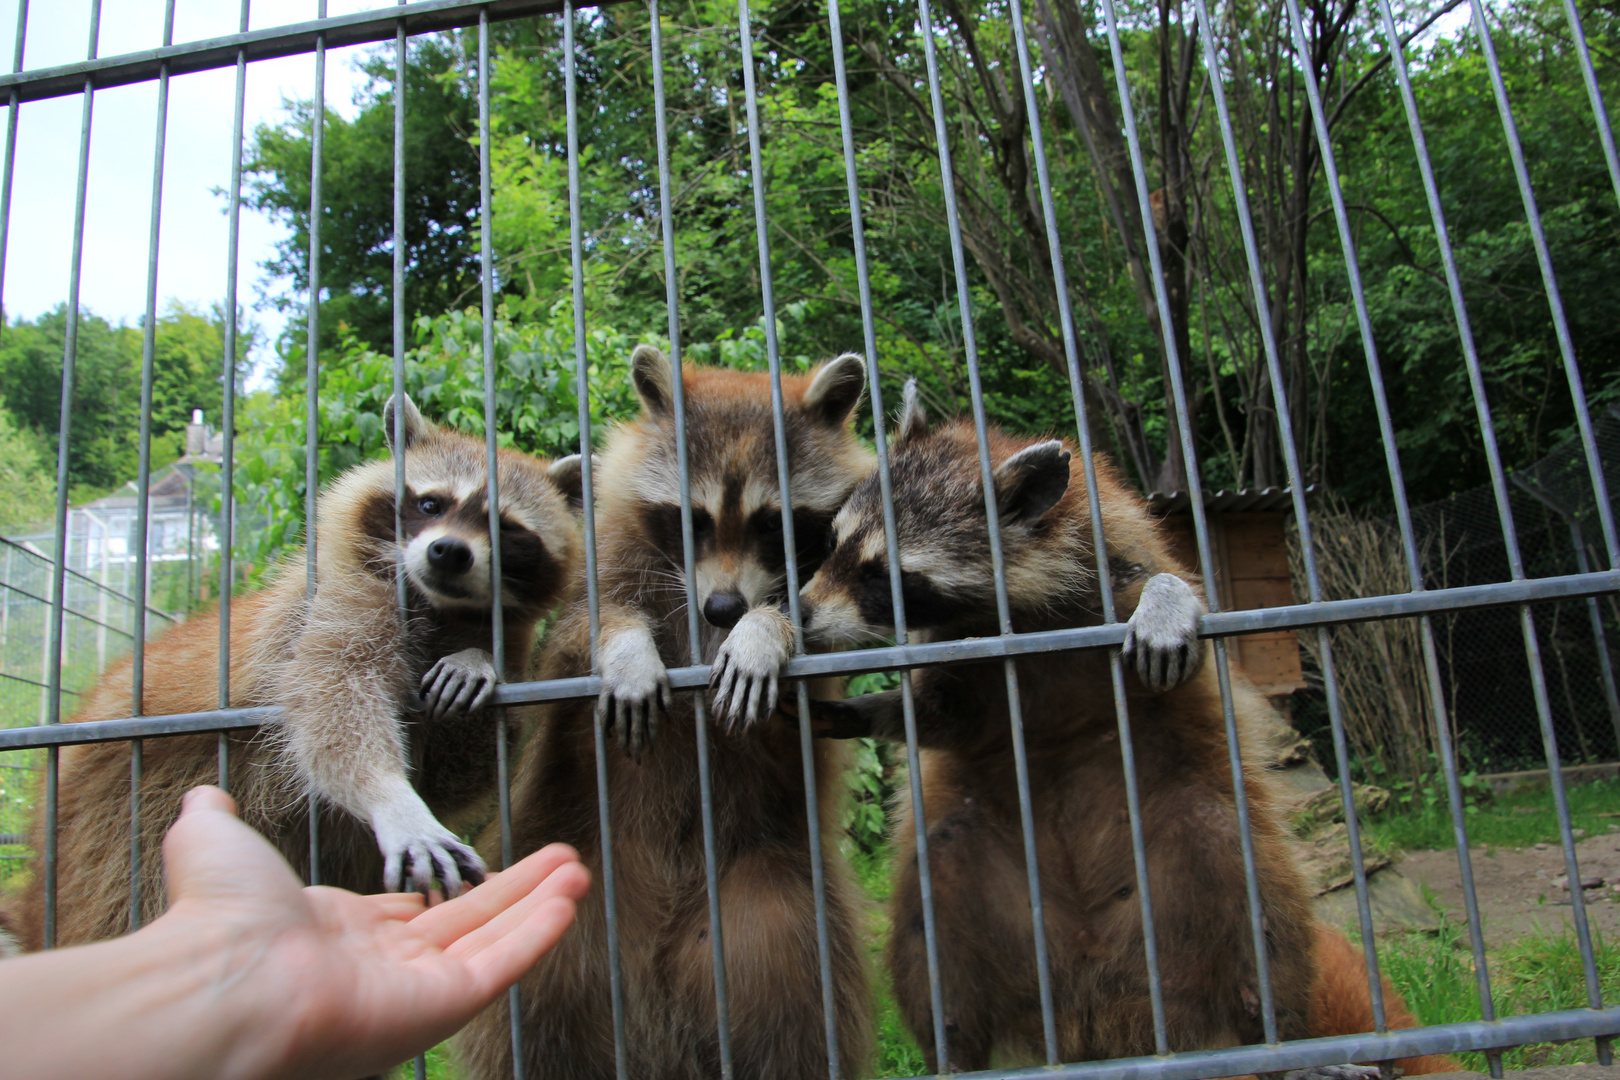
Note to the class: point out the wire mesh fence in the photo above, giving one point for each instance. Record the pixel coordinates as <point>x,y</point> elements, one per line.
<point>1008,648</point>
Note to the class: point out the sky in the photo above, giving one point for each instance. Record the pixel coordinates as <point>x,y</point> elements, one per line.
<point>193,249</point>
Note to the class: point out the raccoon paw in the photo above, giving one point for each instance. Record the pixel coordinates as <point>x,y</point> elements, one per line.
<point>1331,1072</point>
<point>1161,637</point>
<point>421,853</point>
<point>634,687</point>
<point>460,683</point>
<point>744,675</point>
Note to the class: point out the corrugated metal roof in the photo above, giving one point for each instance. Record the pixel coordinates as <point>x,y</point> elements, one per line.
<point>1228,502</point>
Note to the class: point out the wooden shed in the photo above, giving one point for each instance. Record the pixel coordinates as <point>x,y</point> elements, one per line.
<point>1248,534</point>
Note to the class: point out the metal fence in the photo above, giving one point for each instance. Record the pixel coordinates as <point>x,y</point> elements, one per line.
<point>1518,594</point>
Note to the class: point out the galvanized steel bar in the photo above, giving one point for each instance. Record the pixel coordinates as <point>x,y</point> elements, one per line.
<point>227,471</point>
<point>1268,1013</point>
<point>341,31</point>
<point>773,357</point>
<point>11,151</point>
<point>689,549</point>
<point>1105,588</point>
<point>1600,114</point>
<point>53,706</point>
<point>143,483</point>
<point>1555,304</point>
<point>312,380</point>
<point>102,586</point>
<point>582,390</point>
<point>1296,485</point>
<point>998,565</point>
<point>397,242</point>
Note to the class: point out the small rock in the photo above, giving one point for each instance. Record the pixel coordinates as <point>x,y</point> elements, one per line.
<point>1562,881</point>
<point>1577,833</point>
<point>1586,883</point>
<point>1541,847</point>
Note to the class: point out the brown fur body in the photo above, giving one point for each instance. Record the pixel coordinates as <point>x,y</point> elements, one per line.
<point>761,828</point>
<point>331,665</point>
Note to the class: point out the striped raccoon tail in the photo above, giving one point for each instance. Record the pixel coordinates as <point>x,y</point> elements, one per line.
<point>1342,1005</point>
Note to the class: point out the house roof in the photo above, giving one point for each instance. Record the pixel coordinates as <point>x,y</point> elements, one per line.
<point>1228,502</point>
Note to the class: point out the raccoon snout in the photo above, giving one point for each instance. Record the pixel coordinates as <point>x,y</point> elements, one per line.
<point>450,556</point>
<point>723,609</point>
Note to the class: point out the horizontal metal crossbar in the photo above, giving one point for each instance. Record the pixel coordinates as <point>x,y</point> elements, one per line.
<point>892,657</point>
<point>293,39</point>
<point>1306,1053</point>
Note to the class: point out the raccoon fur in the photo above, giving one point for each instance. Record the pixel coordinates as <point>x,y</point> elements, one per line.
<point>763,848</point>
<point>1088,876</point>
<point>342,667</point>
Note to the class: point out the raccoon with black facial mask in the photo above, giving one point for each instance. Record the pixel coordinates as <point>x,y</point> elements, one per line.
<point>761,825</point>
<point>342,666</point>
<point>985,934</point>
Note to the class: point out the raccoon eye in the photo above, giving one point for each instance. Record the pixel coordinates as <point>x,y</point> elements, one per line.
<point>770,523</point>
<point>430,506</point>
<point>702,523</point>
<point>874,571</point>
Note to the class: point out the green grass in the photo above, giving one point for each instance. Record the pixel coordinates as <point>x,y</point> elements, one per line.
<point>1536,973</point>
<point>1520,819</point>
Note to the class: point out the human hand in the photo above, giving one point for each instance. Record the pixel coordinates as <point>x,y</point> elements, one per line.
<point>329,983</point>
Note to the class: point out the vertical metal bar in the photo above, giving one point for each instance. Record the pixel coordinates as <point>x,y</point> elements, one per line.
<point>398,243</point>
<point>1594,95</point>
<point>143,480</point>
<point>1403,513</point>
<point>58,592</point>
<point>818,880</point>
<point>1566,346</point>
<point>400,52</point>
<point>684,475</point>
<point>890,531</point>
<point>227,479</point>
<point>486,242</point>
<point>312,379</point>
<point>993,520</point>
<point>11,153</point>
<point>1133,798</point>
<point>1268,1014</point>
<point>1290,451</point>
<point>582,390</point>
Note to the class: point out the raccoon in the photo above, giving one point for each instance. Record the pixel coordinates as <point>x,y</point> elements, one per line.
<point>763,848</point>
<point>1088,878</point>
<point>342,667</point>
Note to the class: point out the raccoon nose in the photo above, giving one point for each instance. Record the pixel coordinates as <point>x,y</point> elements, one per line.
<point>449,555</point>
<point>723,609</point>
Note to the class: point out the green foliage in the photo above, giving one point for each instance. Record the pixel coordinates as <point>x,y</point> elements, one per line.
<point>26,473</point>
<point>1535,973</point>
<point>1519,819</point>
<point>536,408</point>
<point>187,362</point>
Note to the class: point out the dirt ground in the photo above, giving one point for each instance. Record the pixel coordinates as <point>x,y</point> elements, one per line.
<point>1521,891</point>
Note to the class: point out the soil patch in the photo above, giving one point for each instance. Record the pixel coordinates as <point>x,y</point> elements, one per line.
<point>1521,891</point>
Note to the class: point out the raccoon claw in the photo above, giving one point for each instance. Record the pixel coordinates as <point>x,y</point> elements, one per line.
<point>459,684</point>
<point>420,853</point>
<point>1161,638</point>
<point>744,676</point>
<point>635,687</point>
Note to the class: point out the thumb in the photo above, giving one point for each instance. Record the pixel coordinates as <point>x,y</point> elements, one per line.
<point>209,855</point>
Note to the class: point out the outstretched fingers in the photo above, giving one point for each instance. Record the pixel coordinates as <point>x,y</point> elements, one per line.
<point>448,922</point>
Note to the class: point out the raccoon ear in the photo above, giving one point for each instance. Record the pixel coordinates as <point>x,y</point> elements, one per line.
<point>913,421</point>
<point>569,478</point>
<point>835,389</point>
<point>655,383</point>
<point>1031,482</point>
<point>415,426</point>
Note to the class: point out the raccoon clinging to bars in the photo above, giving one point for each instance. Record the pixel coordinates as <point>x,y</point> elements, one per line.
<point>985,935</point>
<point>759,802</point>
<point>343,666</point>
